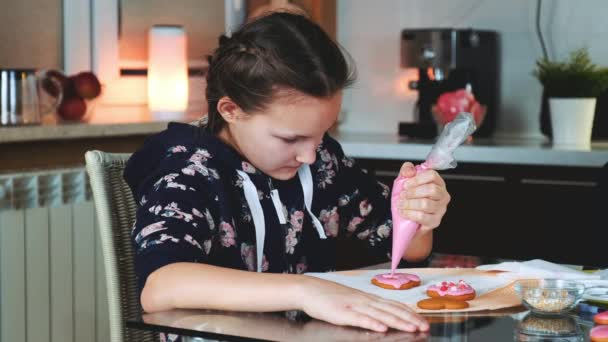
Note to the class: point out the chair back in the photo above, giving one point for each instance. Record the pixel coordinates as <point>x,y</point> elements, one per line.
<point>115,208</point>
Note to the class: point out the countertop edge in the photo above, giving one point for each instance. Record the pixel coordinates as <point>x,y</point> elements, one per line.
<point>356,145</point>
<point>23,134</point>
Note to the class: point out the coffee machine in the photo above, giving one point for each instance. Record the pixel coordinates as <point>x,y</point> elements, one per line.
<point>450,59</point>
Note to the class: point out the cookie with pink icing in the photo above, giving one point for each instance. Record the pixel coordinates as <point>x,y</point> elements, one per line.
<point>599,333</point>
<point>601,318</point>
<point>396,281</point>
<point>447,289</point>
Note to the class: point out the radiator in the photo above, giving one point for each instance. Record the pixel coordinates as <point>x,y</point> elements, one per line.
<point>52,285</point>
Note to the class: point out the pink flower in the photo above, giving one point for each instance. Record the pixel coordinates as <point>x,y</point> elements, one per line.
<point>348,162</point>
<point>188,171</point>
<point>325,156</point>
<point>331,221</point>
<point>203,153</point>
<point>296,220</point>
<point>178,148</point>
<point>248,255</point>
<point>352,225</point>
<point>290,241</point>
<point>364,234</point>
<point>227,234</point>
<point>301,268</point>
<point>247,167</point>
<point>383,231</point>
<point>150,229</point>
<point>365,207</point>
<point>197,158</point>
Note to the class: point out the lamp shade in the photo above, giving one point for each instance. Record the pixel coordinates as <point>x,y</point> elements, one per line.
<point>167,70</point>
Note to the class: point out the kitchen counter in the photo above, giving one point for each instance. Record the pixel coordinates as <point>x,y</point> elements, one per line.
<point>494,151</point>
<point>113,122</point>
<point>53,144</point>
<point>106,121</point>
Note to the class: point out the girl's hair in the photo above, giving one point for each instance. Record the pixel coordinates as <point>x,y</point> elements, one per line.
<point>277,51</point>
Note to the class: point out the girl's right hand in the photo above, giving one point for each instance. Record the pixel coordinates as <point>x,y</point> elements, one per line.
<point>342,305</point>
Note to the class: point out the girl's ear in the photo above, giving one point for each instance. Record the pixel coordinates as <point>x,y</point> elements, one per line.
<point>230,111</point>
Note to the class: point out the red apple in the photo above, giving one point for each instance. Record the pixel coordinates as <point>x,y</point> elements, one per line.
<point>87,84</point>
<point>72,108</point>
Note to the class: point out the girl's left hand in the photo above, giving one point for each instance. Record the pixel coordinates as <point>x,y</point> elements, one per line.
<point>424,198</point>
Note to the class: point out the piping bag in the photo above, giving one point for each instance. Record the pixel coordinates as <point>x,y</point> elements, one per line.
<point>440,158</point>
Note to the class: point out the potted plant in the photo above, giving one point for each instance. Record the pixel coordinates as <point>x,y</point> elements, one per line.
<point>572,87</point>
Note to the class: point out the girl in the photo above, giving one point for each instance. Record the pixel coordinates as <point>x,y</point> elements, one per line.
<point>231,213</point>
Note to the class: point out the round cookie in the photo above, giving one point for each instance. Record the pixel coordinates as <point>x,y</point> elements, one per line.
<point>601,318</point>
<point>442,303</point>
<point>599,334</point>
<point>458,291</point>
<point>397,281</point>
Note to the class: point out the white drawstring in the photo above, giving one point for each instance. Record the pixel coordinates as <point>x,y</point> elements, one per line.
<point>257,213</point>
<point>253,200</point>
<point>278,205</point>
<point>307,187</point>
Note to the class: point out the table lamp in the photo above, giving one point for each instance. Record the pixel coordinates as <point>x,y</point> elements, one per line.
<point>167,72</point>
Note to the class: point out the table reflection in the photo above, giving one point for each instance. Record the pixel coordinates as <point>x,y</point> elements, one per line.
<point>296,326</point>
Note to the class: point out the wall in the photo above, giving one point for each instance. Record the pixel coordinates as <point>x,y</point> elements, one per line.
<point>203,21</point>
<point>30,34</point>
<point>370,32</point>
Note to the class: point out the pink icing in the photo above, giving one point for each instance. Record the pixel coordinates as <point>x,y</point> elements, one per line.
<point>396,280</point>
<point>600,331</point>
<point>403,229</point>
<point>602,315</point>
<point>450,288</point>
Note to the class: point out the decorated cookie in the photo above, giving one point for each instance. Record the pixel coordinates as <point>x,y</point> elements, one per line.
<point>601,318</point>
<point>599,334</point>
<point>448,289</point>
<point>442,303</point>
<point>397,281</point>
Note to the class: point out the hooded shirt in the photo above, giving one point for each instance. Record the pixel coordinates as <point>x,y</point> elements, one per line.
<point>200,201</point>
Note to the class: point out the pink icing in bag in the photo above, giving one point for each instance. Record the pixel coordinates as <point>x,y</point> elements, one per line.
<point>440,158</point>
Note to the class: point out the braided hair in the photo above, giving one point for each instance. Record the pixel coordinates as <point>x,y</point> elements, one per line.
<point>276,51</point>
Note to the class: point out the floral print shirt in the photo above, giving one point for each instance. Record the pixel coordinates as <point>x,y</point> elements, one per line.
<point>192,207</point>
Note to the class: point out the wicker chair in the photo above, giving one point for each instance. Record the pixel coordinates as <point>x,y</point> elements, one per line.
<point>115,209</point>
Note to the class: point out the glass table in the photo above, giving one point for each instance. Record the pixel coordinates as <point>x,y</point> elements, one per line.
<point>515,324</point>
<point>512,324</point>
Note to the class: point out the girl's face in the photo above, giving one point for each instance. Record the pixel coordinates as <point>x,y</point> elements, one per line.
<point>283,136</point>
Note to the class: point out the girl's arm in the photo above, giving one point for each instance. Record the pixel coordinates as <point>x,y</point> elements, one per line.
<point>193,285</point>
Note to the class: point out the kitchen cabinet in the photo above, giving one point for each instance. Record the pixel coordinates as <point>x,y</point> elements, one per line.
<point>516,211</point>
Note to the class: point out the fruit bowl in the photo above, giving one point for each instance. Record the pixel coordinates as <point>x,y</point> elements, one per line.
<point>76,95</point>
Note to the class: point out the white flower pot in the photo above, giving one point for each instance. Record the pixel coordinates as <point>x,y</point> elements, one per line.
<point>572,121</point>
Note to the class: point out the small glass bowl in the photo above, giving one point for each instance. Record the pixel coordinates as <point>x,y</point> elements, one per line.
<point>549,296</point>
